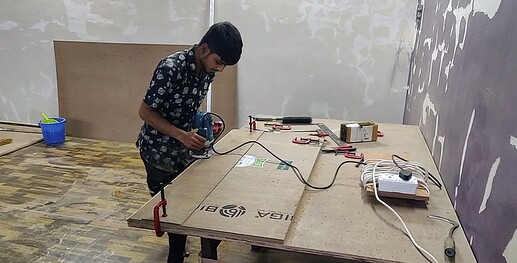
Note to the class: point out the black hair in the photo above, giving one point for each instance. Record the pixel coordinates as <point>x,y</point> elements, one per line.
<point>224,39</point>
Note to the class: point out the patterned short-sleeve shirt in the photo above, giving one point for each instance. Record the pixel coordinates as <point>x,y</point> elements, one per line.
<point>175,92</point>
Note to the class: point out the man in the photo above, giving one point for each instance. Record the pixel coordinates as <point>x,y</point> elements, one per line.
<point>177,89</point>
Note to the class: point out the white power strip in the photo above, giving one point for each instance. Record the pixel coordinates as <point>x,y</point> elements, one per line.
<point>394,184</point>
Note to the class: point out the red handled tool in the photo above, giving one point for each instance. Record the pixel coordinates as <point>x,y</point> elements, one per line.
<point>354,156</point>
<point>347,150</point>
<point>320,133</point>
<point>280,127</point>
<point>305,141</point>
<point>339,149</point>
<point>156,214</point>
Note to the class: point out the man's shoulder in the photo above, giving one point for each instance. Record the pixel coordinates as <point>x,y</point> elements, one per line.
<point>177,60</point>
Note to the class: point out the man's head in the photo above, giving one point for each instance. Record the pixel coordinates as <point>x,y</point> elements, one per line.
<point>220,46</point>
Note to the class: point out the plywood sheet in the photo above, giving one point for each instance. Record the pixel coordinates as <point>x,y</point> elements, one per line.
<point>258,201</point>
<point>20,140</point>
<point>190,188</point>
<point>250,203</point>
<point>101,86</point>
<point>344,222</point>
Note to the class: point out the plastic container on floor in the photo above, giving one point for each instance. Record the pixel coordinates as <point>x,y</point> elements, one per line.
<point>54,133</point>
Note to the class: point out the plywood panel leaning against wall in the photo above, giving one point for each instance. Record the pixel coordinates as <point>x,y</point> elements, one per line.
<point>101,85</point>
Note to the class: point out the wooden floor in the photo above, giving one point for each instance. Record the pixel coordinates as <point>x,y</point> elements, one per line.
<point>70,204</point>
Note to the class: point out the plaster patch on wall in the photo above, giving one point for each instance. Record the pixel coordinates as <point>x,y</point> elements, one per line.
<point>14,111</point>
<point>131,10</point>
<point>79,14</point>
<point>40,25</point>
<point>427,108</point>
<point>488,7</point>
<point>435,132</point>
<point>446,71</point>
<point>266,21</point>
<point>283,20</point>
<point>345,114</point>
<point>285,103</point>
<point>510,252</point>
<point>319,109</point>
<point>175,17</point>
<point>338,56</point>
<point>42,90</point>
<point>320,14</point>
<point>448,10</point>
<point>463,154</point>
<point>441,139</point>
<point>3,97</point>
<point>244,5</point>
<point>8,25</point>
<point>420,89</point>
<point>434,55</point>
<point>443,51</point>
<point>513,141</point>
<point>488,187</point>
<point>461,13</point>
<point>130,29</point>
<point>427,42</point>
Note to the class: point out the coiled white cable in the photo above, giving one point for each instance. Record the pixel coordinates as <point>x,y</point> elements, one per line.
<point>369,174</point>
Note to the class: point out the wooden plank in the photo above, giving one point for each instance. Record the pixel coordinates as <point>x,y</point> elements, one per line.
<point>20,140</point>
<point>420,195</point>
<point>116,76</point>
<point>343,222</point>
<point>258,202</point>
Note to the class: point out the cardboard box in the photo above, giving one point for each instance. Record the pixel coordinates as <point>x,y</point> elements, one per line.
<point>359,132</point>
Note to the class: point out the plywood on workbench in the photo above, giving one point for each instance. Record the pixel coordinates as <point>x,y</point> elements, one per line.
<point>101,86</point>
<point>266,196</point>
<point>346,223</point>
<point>189,189</point>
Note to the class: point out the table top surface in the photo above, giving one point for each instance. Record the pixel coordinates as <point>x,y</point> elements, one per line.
<point>261,202</point>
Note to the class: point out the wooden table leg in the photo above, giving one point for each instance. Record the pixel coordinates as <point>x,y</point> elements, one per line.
<point>209,248</point>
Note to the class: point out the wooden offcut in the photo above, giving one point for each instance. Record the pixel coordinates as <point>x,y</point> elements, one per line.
<point>4,141</point>
<point>420,195</point>
<point>101,86</point>
<point>15,137</point>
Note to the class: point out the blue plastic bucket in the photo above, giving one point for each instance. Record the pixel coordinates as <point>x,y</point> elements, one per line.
<point>54,133</point>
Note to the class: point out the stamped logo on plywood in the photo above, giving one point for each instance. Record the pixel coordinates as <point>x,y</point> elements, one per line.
<point>230,210</point>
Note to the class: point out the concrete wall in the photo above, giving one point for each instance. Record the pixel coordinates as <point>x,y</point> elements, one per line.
<point>463,96</point>
<point>329,59</point>
<point>27,29</point>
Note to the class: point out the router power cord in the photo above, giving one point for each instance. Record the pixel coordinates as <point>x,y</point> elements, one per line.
<point>431,176</point>
<point>295,169</point>
<point>424,252</point>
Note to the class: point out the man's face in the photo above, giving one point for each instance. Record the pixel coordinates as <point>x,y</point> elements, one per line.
<point>212,62</point>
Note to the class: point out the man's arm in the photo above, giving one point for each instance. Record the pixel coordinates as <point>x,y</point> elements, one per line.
<point>190,139</point>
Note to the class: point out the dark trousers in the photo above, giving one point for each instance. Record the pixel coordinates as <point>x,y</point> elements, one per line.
<point>156,180</point>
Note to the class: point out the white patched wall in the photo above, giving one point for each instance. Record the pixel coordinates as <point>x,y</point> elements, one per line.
<point>327,59</point>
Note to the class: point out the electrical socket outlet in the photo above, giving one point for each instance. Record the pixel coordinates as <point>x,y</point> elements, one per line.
<point>393,183</point>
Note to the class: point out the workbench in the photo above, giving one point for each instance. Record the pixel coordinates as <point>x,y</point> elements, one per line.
<point>264,204</point>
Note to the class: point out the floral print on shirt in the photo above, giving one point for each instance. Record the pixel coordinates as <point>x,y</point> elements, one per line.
<point>175,92</point>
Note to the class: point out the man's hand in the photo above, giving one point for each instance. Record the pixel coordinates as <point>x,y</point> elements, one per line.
<point>192,140</point>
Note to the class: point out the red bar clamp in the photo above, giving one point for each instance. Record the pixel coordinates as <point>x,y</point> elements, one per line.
<point>156,221</point>
<point>156,213</point>
<point>354,156</point>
